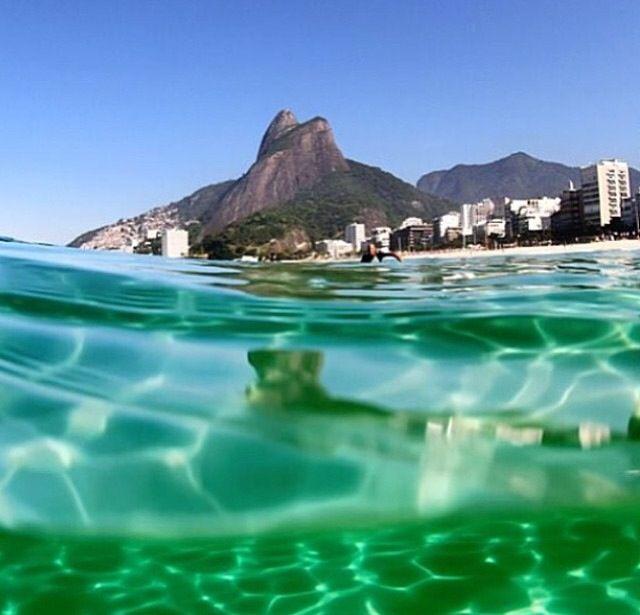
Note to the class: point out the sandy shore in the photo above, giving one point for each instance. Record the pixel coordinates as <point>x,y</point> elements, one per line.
<point>625,245</point>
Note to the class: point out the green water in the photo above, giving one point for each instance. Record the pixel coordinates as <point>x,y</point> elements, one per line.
<point>417,437</point>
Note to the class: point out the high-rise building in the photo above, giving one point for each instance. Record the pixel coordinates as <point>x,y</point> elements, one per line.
<point>446,221</point>
<point>175,243</point>
<point>605,185</point>
<point>474,216</point>
<point>631,213</point>
<point>468,214</point>
<point>568,221</point>
<point>414,237</point>
<point>354,234</point>
<point>446,228</point>
<point>531,218</point>
<point>381,237</point>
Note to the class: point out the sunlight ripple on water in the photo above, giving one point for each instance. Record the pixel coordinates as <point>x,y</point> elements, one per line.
<point>418,437</point>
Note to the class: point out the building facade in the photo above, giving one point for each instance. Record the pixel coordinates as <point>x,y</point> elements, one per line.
<point>413,238</point>
<point>474,217</point>
<point>381,237</point>
<point>445,223</point>
<point>605,185</point>
<point>355,234</point>
<point>468,215</point>
<point>334,248</point>
<point>532,217</point>
<point>568,222</point>
<point>175,243</point>
<point>411,221</point>
<point>631,214</point>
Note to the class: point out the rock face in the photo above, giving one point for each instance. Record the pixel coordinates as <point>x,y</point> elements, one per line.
<point>292,157</point>
<point>281,123</point>
<point>517,176</point>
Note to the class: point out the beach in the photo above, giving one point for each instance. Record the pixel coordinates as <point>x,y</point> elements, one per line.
<point>624,245</point>
<point>621,245</point>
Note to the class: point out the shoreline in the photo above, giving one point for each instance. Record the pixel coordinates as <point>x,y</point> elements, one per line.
<point>620,245</point>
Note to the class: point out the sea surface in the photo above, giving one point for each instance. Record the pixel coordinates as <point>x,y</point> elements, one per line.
<point>421,437</point>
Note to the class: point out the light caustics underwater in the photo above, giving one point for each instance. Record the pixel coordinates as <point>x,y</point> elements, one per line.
<point>452,436</point>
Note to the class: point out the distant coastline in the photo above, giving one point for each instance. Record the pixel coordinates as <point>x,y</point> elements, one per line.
<point>621,245</point>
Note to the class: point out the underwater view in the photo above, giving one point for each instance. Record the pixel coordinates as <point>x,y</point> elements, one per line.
<point>431,436</point>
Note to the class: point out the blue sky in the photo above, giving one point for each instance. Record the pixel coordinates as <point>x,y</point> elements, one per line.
<point>110,108</point>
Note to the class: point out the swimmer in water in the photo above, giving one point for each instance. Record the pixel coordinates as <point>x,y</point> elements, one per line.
<point>372,252</point>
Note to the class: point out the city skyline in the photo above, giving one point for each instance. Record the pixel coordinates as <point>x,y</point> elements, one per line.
<point>113,109</point>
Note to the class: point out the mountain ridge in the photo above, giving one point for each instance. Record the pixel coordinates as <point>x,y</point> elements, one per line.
<point>175,214</point>
<point>297,164</point>
<point>518,175</point>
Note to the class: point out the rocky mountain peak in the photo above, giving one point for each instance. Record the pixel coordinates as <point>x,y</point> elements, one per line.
<point>292,157</point>
<point>520,155</point>
<point>284,121</point>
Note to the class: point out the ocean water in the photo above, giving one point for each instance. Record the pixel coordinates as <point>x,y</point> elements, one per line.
<point>424,437</point>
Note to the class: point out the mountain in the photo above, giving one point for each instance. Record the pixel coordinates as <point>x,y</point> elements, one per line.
<point>292,157</point>
<point>517,176</point>
<point>363,193</point>
<point>299,189</point>
<point>188,212</point>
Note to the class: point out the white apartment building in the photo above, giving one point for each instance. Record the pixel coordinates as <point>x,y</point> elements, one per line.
<point>411,221</point>
<point>468,215</point>
<point>334,248</point>
<point>631,212</point>
<point>605,185</point>
<point>534,215</point>
<point>496,228</point>
<point>175,243</point>
<point>381,237</point>
<point>473,215</point>
<point>448,221</point>
<point>542,207</point>
<point>354,234</point>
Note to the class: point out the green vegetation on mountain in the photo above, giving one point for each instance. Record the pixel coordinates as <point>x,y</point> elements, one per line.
<point>362,194</point>
<point>518,176</point>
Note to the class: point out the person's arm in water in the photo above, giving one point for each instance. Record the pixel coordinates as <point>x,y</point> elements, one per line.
<point>395,255</point>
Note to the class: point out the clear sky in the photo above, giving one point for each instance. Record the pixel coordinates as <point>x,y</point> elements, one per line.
<point>110,108</point>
